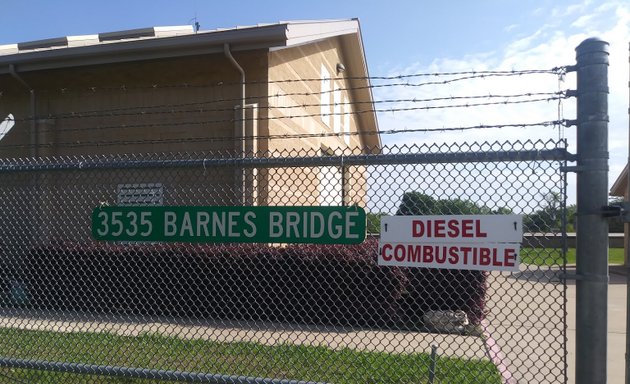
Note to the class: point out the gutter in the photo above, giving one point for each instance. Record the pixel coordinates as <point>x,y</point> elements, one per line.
<point>143,49</point>
<point>239,128</point>
<point>15,75</point>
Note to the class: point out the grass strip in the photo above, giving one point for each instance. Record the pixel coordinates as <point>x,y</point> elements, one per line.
<point>553,256</point>
<point>285,361</point>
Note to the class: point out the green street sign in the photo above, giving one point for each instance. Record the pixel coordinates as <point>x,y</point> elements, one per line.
<point>223,224</point>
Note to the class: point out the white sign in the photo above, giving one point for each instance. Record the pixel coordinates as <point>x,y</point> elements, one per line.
<point>452,229</point>
<point>481,257</point>
<point>476,242</point>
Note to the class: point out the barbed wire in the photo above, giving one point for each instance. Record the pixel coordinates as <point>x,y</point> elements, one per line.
<point>552,71</point>
<point>284,117</point>
<point>560,108</point>
<point>78,143</point>
<point>507,99</point>
<point>399,105</point>
<point>462,76</point>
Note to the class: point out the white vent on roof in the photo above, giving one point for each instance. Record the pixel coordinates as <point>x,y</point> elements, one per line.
<point>83,40</point>
<point>8,49</point>
<point>173,31</point>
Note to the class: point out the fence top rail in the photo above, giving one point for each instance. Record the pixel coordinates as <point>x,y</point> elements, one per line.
<point>434,154</point>
<point>142,373</point>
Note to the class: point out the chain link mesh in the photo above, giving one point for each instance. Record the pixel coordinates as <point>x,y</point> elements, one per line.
<point>269,312</point>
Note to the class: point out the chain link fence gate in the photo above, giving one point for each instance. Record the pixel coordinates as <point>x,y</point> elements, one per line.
<point>78,310</point>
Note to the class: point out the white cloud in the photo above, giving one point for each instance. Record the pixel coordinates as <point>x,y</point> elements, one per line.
<point>583,21</point>
<point>546,48</point>
<point>511,28</point>
<point>571,9</point>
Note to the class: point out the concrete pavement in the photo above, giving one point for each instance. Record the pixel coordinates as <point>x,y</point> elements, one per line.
<point>522,332</point>
<point>616,326</point>
<point>525,325</point>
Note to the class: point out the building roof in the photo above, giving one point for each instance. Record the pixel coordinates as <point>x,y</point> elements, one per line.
<point>154,42</point>
<point>620,187</point>
<point>179,41</point>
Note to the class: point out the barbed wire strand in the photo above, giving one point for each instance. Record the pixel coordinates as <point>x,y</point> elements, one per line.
<point>77,115</point>
<point>559,71</point>
<point>507,99</point>
<point>463,75</point>
<point>189,123</point>
<point>78,143</point>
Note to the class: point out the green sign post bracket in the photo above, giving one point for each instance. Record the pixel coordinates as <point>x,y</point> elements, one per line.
<point>226,224</point>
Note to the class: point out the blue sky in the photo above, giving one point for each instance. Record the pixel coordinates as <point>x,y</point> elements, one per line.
<point>401,37</point>
<point>395,32</point>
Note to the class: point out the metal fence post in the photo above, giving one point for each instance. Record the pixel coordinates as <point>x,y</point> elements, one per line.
<point>592,227</point>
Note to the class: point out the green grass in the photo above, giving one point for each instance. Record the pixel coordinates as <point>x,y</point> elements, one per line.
<point>284,361</point>
<point>553,256</point>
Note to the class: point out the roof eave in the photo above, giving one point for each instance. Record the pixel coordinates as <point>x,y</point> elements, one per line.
<point>372,140</point>
<point>619,188</point>
<point>144,49</point>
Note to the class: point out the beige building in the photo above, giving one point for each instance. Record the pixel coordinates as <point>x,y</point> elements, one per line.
<point>285,89</point>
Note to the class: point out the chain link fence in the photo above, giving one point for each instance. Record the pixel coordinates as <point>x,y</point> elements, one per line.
<point>79,310</point>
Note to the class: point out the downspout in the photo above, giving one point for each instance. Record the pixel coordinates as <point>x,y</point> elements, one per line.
<point>241,148</point>
<point>34,135</point>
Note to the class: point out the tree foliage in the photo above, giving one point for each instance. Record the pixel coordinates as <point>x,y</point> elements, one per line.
<point>416,203</point>
<point>374,222</point>
<point>547,219</point>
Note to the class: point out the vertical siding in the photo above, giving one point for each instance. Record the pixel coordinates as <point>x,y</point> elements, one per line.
<point>175,105</point>
<point>150,106</point>
<point>295,87</point>
<point>295,99</point>
<point>160,106</point>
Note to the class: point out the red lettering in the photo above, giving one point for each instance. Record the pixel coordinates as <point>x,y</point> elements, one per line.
<point>440,226</point>
<point>495,262</point>
<point>440,257</point>
<point>467,227</point>
<point>453,228</point>
<point>427,254</point>
<point>453,256</point>
<point>417,228</point>
<point>384,254</point>
<point>413,253</point>
<point>466,251</point>
<point>399,253</point>
<point>484,256</point>
<point>509,255</point>
<point>478,232</point>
